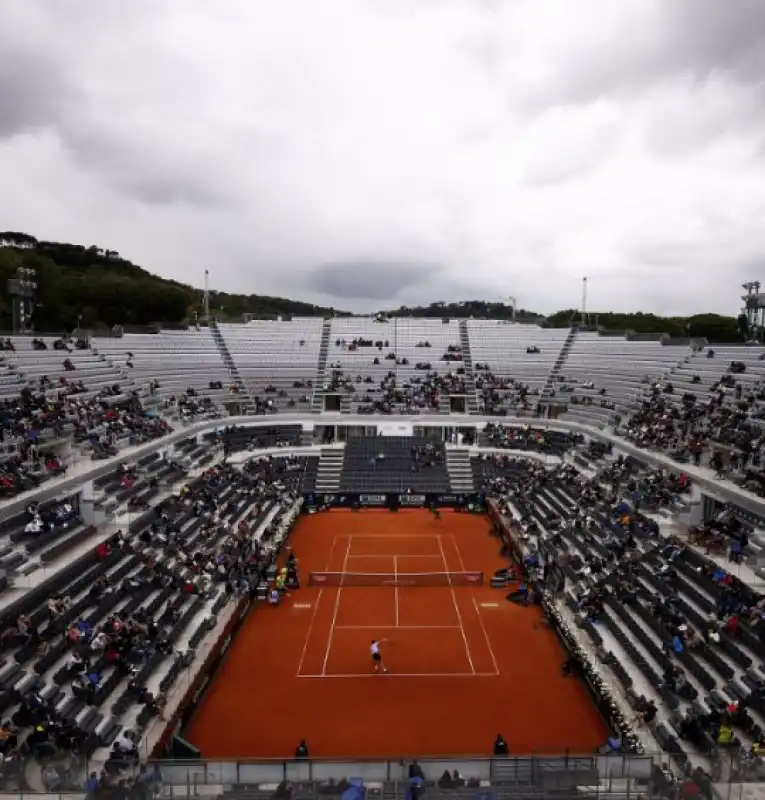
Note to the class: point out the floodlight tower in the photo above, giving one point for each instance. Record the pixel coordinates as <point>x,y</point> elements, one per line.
<point>22,290</point>
<point>754,309</point>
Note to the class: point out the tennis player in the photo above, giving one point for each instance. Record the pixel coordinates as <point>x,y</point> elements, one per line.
<point>377,659</point>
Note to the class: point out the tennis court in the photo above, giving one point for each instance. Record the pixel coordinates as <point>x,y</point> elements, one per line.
<point>464,664</point>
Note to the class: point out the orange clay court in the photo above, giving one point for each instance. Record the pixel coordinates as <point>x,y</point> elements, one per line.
<point>464,663</point>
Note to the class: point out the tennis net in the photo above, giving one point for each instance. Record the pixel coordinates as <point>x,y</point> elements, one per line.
<point>395,579</point>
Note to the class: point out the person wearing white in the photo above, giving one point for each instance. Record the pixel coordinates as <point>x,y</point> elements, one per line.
<point>377,659</point>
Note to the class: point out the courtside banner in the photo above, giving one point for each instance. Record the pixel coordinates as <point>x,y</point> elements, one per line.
<point>406,500</point>
<point>415,500</point>
<point>372,499</point>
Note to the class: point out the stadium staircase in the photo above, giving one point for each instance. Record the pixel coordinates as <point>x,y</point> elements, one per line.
<point>244,392</point>
<point>547,391</point>
<point>467,362</point>
<point>317,404</point>
<point>329,471</point>
<point>460,471</point>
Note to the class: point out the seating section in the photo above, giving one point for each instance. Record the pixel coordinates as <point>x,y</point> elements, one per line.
<point>171,361</point>
<point>528,438</point>
<point>678,631</point>
<point>394,464</point>
<point>52,365</point>
<point>709,412</point>
<point>236,439</point>
<point>395,366</point>
<point>701,372</point>
<point>361,367</point>
<point>276,360</point>
<point>603,374</point>
<point>512,362</point>
<point>429,355</point>
<point>91,654</point>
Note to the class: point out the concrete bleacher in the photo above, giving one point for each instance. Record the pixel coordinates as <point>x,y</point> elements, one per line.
<point>30,365</point>
<point>354,346</point>
<point>394,464</point>
<point>709,370</point>
<point>433,342</point>
<point>632,633</point>
<point>177,360</point>
<point>502,364</point>
<point>277,360</point>
<point>620,371</point>
<point>144,575</point>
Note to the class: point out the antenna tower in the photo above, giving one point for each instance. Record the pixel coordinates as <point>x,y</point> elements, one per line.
<point>206,296</point>
<point>585,315</point>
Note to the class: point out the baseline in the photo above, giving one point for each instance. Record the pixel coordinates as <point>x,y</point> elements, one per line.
<point>388,555</point>
<point>380,675</point>
<point>398,627</point>
<point>397,535</point>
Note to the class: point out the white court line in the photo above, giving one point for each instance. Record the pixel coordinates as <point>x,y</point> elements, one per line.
<point>388,555</point>
<point>475,603</point>
<point>334,613</point>
<point>395,587</point>
<point>380,675</point>
<point>397,627</point>
<point>456,608</point>
<point>396,535</point>
<point>315,610</point>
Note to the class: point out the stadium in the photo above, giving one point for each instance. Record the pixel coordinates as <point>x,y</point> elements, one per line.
<point>552,537</point>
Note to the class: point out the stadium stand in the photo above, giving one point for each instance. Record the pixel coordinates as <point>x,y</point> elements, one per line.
<point>394,464</point>
<point>169,363</point>
<point>91,655</point>
<point>277,361</point>
<point>429,360</point>
<point>513,363</point>
<point>604,374</point>
<point>686,628</point>
<point>361,367</point>
<point>102,611</point>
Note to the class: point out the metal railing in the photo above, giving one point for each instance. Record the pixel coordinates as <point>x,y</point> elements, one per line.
<point>608,776</point>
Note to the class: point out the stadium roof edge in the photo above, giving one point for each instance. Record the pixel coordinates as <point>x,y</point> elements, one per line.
<point>84,472</point>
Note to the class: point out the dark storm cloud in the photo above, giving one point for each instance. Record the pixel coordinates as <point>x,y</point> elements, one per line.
<point>33,91</point>
<point>517,145</point>
<point>368,280</point>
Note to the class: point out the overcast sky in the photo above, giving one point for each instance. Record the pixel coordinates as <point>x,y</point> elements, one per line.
<point>374,153</point>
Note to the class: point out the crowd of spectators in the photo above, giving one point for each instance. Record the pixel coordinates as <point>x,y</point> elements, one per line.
<point>499,396</point>
<point>36,420</point>
<point>103,637</point>
<point>418,393</point>
<point>689,626</point>
<point>527,437</point>
<point>722,428</point>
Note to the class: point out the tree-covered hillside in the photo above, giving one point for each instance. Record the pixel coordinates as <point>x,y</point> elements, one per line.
<point>103,289</point>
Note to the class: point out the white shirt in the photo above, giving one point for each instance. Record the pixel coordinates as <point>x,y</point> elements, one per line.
<point>374,648</point>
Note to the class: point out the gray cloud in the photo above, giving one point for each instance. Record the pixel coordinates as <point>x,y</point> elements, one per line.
<point>465,148</point>
<point>368,279</point>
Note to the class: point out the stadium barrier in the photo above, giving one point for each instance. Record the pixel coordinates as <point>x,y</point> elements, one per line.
<point>472,503</point>
<point>535,777</point>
